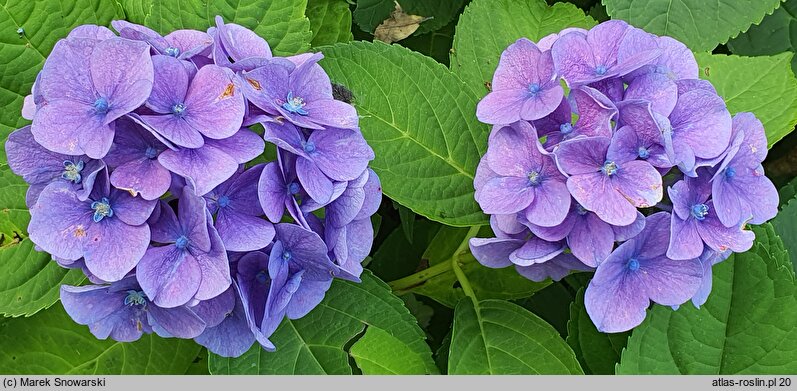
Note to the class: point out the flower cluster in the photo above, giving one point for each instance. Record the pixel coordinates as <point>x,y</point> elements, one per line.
<point>144,174</point>
<point>575,181</point>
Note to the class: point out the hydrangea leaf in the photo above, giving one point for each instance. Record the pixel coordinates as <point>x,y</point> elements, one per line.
<point>377,352</point>
<point>747,326</point>
<point>43,23</point>
<point>330,21</point>
<point>281,22</point>
<point>777,33</point>
<point>597,352</point>
<point>396,256</point>
<point>50,343</point>
<point>497,337</point>
<point>370,13</point>
<point>440,12</point>
<point>487,27</point>
<point>487,283</point>
<point>420,120</point>
<point>436,44</point>
<point>14,215</point>
<point>700,24</point>
<point>348,310</point>
<point>31,279</point>
<point>787,192</point>
<point>762,85</point>
<point>785,224</point>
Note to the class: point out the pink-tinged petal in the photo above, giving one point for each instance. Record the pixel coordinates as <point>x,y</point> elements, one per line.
<point>59,221</point>
<point>597,194</point>
<point>59,125</point>
<point>551,203</point>
<point>582,155</point>
<point>639,183</point>
<point>144,177</point>
<point>205,167</point>
<point>314,182</point>
<point>505,195</point>
<point>595,112</point>
<point>721,238</point>
<point>591,240</point>
<point>685,242</point>
<point>638,115</point>
<point>240,232</point>
<point>514,150</point>
<point>521,65</point>
<point>169,86</point>
<point>536,250</point>
<point>656,88</point>
<point>502,106</point>
<point>494,252</point>
<point>122,73</point>
<point>574,60</point>
<point>168,276</point>
<point>242,146</point>
<point>112,248</point>
<point>698,116</point>
<point>214,103</point>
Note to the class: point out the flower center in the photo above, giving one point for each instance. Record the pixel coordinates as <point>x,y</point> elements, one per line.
<point>286,255</point>
<point>262,277</point>
<point>72,171</point>
<point>135,298</point>
<point>730,172</point>
<point>534,89</point>
<point>699,211</point>
<point>151,153</point>
<point>610,168</point>
<point>643,153</point>
<point>294,104</point>
<point>172,51</point>
<point>178,109</point>
<point>102,209</point>
<point>309,147</point>
<point>534,178</point>
<point>182,242</point>
<point>566,128</point>
<point>293,188</point>
<point>224,201</point>
<point>580,210</point>
<point>600,70</point>
<point>633,264</point>
<point>101,105</point>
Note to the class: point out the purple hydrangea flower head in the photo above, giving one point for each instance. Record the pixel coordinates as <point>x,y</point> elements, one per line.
<point>322,157</point>
<point>595,115</point>
<point>39,167</point>
<point>636,273</point>
<point>123,312</point>
<point>525,86</point>
<point>695,223</point>
<point>209,105</point>
<point>108,229</point>
<point>85,85</point>
<point>658,89</point>
<point>134,160</point>
<point>180,44</point>
<point>611,185</point>
<point>526,179</point>
<point>302,95</point>
<point>676,61</point>
<point>739,188</point>
<point>607,50</point>
<point>191,263</point>
<point>238,213</point>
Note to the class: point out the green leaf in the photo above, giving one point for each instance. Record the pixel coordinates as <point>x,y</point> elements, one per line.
<point>700,24</point>
<point>497,337</point>
<point>487,283</point>
<point>487,27</point>
<point>436,44</point>
<point>396,257</point>
<point>51,343</point>
<point>785,224</point>
<point>330,21</point>
<point>14,215</point>
<point>370,13</point>
<point>440,12</point>
<point>420,120</point>
<point>22,55</point>
<point>379,353</point>
<point>747,326</point>
<point>597,352</point>
<point>317,343</point>
<point>31,279</point>
<point>200,364</point>
<point>763,85</point>
<point>281,22</point>
<point>777,33</point>
<point>407,221</point>
<point>787,192</point>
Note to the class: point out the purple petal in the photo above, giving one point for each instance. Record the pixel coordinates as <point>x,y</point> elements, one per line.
<point>501,106</point>
<point>317,185</point>
<point>656,88</point>
<point>535,250</point>
<point>178,322</point>
<point>215,310</point>
<point>272,192</point>
<point>555,269</point>
<point>698,116</point>
<point>170,277</point>
<point>582,156</point>
<point>341,154</point>
<point>122,73</point>
<point>591,240</point>
<point>551,203</point>
<point>506,195</point>
<point>242,146</point>
<point>596,194</point>
<point>639,183</point>
<point>685,242</point>
<point>241,232</point>
<point>205,167</point>
<point>214,104</point>
<point>494,252</point>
